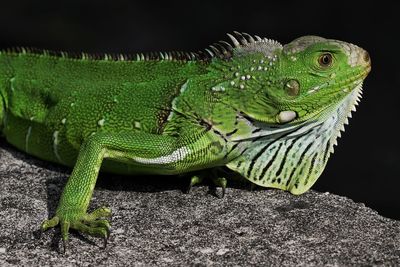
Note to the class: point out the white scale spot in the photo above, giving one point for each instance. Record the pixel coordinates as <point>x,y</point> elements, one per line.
<point>184,86</point>
<point>137,124</point>
<point>286,116</point>
<point>63,121</point>
<point>175,156</point>
<point>241,86</point>
<point>28,135</point>
<point>218,88</point>
<point>56,142</point>
<point>101,122</point>
<point>55,137</point>
<point>12,83</point>
<point>232,83</point>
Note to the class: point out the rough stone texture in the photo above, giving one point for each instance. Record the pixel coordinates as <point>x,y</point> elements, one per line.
<point>154,223</point>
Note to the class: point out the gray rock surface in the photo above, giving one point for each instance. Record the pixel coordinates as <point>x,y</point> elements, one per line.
<point>154,223</point>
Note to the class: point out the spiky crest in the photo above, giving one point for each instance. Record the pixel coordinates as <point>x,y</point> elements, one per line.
<point>241,43</point>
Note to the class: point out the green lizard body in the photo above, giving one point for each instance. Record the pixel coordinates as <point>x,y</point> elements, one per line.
<point>269,112</point>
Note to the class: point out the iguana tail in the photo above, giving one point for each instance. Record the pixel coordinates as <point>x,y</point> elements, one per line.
<point>2,112</point>
<point>4,77</point>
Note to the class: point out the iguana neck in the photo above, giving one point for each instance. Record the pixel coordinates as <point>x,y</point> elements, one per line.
<point>274,157</point>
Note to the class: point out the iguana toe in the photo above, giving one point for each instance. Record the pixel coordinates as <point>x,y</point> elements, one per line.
<point>194,180</point>
<point>99,213</point>
<point>47,224</point>
<point>98,231</point>
<point>65,225</point>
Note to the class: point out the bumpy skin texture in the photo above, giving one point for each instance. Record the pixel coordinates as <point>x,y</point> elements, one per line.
<point>269,112</point>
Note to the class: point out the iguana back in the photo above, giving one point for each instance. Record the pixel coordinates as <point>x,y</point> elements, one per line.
<point>52,103</point>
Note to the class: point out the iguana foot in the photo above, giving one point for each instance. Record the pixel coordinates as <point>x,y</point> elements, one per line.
<point>215,178</point>
<point>88,223</point>
<point>193,181</point>
<point>220,182</point>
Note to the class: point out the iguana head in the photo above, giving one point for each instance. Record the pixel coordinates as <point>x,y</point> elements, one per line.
<point>294,82</point>
<point>292,101</point>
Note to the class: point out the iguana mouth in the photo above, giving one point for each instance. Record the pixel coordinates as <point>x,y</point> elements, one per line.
<point>356,79</point>
<point>343,84</point>
<point>344,88</point>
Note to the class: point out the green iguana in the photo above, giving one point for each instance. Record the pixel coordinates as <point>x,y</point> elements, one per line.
<point>269,112</point>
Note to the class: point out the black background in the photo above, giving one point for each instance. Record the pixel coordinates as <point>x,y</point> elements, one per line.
<point>366,164</point>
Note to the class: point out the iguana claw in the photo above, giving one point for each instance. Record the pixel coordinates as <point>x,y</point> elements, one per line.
<point>65,246</point>
<point>220,182</point>
<point>105,242</point>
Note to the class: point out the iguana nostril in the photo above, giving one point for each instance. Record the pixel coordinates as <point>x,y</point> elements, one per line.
<point>366,57</point>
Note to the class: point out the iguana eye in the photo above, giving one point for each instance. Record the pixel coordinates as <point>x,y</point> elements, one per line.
<point>325,60</point>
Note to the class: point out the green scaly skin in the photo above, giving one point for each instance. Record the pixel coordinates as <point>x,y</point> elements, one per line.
<point>269,112</point>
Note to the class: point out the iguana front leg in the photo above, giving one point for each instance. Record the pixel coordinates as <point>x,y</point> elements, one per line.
<point>128,147</point>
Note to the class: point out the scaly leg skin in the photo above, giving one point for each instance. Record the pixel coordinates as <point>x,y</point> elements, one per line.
<point>74,202</point>
<point>194,180</point>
